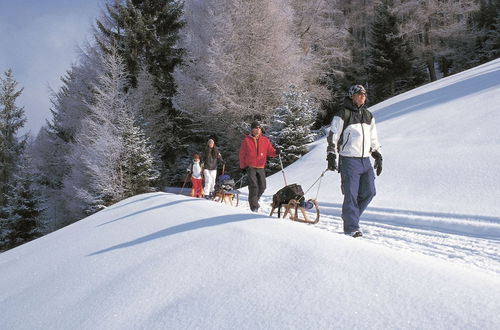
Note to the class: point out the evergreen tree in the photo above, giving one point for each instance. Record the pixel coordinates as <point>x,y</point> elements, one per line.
<point>146,102</point>
<point>53,145</point>
<point>50,170</point>
<point>110,159</point>
<point>432,25</point>
<point>11,120</point>
<point>138,163</point>
<point>488,22</point>
<point>493,49</point>
<point>291,127</point>
<point>391,57</point>
<point>145,34</point>
<point>21,215</point>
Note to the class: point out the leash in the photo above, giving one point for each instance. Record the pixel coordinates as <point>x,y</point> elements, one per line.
<point>240,180</point>
<point>314,183</point>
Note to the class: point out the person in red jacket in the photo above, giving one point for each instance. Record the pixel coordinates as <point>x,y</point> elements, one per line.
<point>254,150</point>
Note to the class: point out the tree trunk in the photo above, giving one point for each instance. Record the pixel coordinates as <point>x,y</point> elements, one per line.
<point>431,68</point>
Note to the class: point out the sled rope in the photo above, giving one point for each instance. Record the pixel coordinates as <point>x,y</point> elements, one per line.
<point>240,181</point>
<point>314,183</point>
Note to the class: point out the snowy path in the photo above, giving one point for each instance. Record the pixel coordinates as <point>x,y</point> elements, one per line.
<point>468,240</point>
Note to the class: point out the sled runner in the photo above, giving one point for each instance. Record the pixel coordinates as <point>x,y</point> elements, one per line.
<point>224,191</point>
<point>291,197</point>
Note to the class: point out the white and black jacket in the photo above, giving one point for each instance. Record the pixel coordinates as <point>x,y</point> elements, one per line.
<point>353,132</point>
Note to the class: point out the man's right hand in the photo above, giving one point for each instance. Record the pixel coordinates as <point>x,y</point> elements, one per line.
<point>332,161</point>
<point>243,170</point>
<point>378,162</point>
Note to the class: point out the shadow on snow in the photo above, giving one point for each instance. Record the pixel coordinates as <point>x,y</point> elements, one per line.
<point>202,223</point>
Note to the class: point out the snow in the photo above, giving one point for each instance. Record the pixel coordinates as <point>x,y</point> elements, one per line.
<point>430,256</point>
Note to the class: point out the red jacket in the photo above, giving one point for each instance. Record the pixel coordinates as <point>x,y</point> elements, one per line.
<point>254,152</point>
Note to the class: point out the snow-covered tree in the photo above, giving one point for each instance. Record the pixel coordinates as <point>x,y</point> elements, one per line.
<point>290,130</point>
<point>322,31</point>
<point>54,141</point>
<point>146,102</point>
<point>145,34</point>
<point>431,25</point>
<point>12,118</point>
<point>241,56</point>
<point>359,17</point>
<point>193,76</point>
<point>50,168</point>
<point>21,221</point>
<point>250,59</point>
<point>138,162</point>
<point>109,149</point>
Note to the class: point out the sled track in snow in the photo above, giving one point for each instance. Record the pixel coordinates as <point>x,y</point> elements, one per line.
<point>467,240</point>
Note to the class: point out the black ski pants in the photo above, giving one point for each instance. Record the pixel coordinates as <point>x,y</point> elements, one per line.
<point>256,186</point>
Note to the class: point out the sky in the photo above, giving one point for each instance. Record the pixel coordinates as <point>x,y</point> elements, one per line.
<point>39,42</point>
<point>429,257</point>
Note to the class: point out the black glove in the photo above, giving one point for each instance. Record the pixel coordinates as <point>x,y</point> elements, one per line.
<point>378,162</point>
<point>332,162</point>
<point>243,171</point>
<point>278,151</point>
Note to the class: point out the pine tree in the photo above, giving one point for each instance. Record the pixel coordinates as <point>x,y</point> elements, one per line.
<point>493,49</point>
<point>145,34</point>
<point>291,126</point>
<point>54,142</point>
<point>21,215</point>
<point>391,57</point>
<point>488,22</point>
<point>50,169</point>
<point>11,120</point>
<point>138,162</point>
<point>147,105</point>
<point>432,25</point>
<point>110,159</point>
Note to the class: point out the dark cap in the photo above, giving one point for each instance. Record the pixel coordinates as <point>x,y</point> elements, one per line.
<point>355,89</point>
<point>255,124</point>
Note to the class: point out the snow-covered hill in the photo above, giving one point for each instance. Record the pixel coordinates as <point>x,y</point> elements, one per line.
<point>430,257</point>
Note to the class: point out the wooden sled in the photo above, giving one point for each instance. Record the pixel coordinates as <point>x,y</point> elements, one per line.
<point>292,209</point>
<point>226,196</point>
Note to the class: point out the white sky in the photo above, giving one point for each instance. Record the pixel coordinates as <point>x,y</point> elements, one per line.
<point>39,41</point>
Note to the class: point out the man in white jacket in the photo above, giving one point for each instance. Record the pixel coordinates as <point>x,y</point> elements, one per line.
<point>354,136</point>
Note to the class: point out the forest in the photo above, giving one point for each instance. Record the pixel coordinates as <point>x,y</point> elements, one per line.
<point>161,77</point>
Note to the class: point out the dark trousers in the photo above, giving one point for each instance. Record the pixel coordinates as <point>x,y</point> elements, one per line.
<point>358,186</point>
<point>256,186</point>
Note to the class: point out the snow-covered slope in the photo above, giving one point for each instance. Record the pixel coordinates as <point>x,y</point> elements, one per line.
<point>439,191</point>
<point>440,144</point>
<point>430,257</point>
<point>163,261</point>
